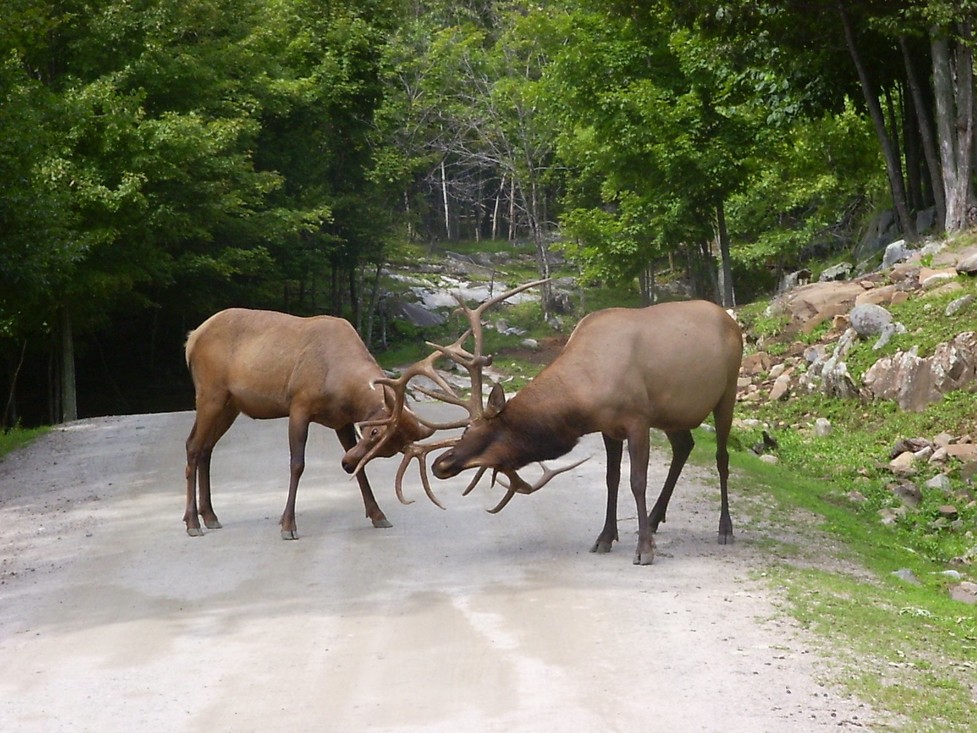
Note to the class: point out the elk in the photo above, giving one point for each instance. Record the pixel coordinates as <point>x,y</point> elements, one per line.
<point>622,372</point>
<point>270,365</point>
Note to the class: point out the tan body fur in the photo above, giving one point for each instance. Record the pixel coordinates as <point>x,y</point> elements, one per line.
<point>270,365</point>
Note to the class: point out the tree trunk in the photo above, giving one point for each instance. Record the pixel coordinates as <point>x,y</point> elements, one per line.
<point>726,267</point>
<point>953,81</point>
<point>892,164</point>
<point>372,310</point>
<point>9,417</point>
<point>444,198</point>
<point>495,209</point>
<point>924,123</point>
<point>69,393</point>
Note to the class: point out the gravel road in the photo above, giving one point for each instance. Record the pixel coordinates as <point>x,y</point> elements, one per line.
<point>112,618</point>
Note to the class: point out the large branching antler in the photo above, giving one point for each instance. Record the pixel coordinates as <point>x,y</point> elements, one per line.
<point>517,485</point>
<point>472,361</point>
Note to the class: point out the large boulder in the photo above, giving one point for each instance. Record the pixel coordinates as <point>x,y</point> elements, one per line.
<point>868,319</point>
<point>915,382</point>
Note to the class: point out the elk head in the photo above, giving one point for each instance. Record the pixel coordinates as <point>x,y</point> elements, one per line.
<point>479,415</point>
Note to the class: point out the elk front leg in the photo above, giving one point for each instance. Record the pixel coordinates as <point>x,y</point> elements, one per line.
<point>608,535</point>
<point>682,444</point>
<point>206,507</point>
<point>298,435</point>
<point>638,451</point>
<point>347,437</point>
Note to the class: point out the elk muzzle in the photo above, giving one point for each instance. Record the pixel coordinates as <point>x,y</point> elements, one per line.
<point>445,465</point>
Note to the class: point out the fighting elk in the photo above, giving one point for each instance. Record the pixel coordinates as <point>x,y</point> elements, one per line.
<point>268,365</point>
<point>375,438</point>
<point>622,372</point>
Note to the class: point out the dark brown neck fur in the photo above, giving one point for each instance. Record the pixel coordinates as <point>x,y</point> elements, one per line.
<point>538,435</point>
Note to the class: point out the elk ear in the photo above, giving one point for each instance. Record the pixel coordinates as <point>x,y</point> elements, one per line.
<point>496,401</point>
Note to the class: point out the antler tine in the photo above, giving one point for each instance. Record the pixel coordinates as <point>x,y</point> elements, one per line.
<point>474,361</point>
<point>398,386</point>
<point>419,451</point>
<point>474,482</point>
<point>517,485</point>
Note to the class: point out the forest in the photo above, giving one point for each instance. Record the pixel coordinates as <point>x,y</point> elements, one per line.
<point>163,159</point>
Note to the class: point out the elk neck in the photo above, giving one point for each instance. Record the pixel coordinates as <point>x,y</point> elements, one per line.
<point>542,422</point>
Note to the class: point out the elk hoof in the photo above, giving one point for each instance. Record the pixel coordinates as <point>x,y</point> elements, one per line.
<point>645,558</point>
<point>725,538</point>
<point>213,523</point>
<point>382,523</point>
<point>290,534</point>
<point>195,532</point>
<point>645,554</point>
<point>602,546</point>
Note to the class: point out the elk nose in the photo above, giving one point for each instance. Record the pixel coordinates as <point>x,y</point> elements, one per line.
<point>442,467</point>
<point>348,467</point>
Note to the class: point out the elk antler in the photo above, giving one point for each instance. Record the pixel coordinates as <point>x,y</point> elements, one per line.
<point>517,485</point>
<point>473,362</point>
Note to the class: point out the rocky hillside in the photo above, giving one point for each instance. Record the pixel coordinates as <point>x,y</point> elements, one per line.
<point>905,333</point>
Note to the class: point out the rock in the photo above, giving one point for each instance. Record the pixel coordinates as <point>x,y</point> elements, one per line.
<point>869,319</point>
<point>812,304</point>
<point>895,252</point>
<point>942,439</point>
<point>958,305</point>
<point>531,344</point>
<point>890,516</point>
<point>822,427</point>
<point>907,575</point>
<point>940,482</point>
<point>770,458</point>
<point>902,465</point>
<point>965,592</point>
<point>948,512</point>
<point>966,452</point>
<point>780,389</point>
<point>756,363</point>
<point>908,493</point>
<point>914,382</point>
<point>888,331</point>
<point>912,445</point>
<point>878,296</point>
<point>794,279</point>
<point>841,271</point>
<point>929,279</point>
<point>857,497</point>
<point>968,265</point>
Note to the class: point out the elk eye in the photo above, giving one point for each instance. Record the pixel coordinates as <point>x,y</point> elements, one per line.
<point>375,432</point>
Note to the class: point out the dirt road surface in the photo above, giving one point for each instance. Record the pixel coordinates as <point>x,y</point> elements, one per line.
<point>112,618</point>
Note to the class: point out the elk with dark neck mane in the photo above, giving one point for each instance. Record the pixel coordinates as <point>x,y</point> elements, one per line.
<point>622,372</point>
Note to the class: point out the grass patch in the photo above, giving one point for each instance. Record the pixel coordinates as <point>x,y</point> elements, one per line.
<point>14,438</point>
<point>906,649</point>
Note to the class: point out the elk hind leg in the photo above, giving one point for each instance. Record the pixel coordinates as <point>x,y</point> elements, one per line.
<point>682,443</point>
<point>206,508</point>
<point>298,435</point>
<point>638,451</point>
<point>723,417</point>
<point>608,535</point>
<point>347,437</point>
<point>212,421</point>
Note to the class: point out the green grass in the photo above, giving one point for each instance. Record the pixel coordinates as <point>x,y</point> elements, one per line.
<point>16,437</point>
<point>909,650</point>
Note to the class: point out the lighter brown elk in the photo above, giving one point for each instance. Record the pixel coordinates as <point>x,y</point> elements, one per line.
<point>267,364</point>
